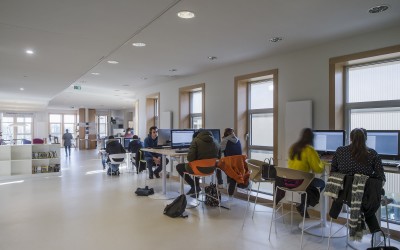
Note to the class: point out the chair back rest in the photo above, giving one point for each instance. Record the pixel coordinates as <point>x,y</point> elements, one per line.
<point>117,158</point>
<point>141,155</point>
<point>25,141</point>
<point>255,167</point>
<point>288,173</point>
<point>203,167</point>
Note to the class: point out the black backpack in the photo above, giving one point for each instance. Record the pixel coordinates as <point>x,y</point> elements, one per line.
<point>212,197</point>
<point>177,207</point>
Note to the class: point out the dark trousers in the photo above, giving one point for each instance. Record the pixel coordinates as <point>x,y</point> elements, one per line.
<point>231,182</point>
<point>181,168</point>
<point>150,165</point>
<point>67,150</point>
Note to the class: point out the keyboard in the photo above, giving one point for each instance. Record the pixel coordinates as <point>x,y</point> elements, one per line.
<point>183,150</point>
<point>391,163</point>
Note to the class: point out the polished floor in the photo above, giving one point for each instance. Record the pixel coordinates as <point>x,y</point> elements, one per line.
<point>86,209</point>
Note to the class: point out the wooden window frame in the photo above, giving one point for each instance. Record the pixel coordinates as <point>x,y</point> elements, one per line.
<point>184,104</point>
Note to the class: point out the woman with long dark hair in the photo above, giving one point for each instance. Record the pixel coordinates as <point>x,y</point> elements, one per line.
<point>303,157</point>
<point>357,158</point>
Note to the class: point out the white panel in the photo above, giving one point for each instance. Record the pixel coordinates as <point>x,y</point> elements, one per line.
<point>298,115</point>
<point>166,119</point>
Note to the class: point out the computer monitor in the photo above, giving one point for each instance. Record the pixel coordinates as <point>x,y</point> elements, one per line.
<point>215,132</point>
<point>181,138</point>
<point>327,141</point>
<point>385,142</point>
<point>127,141</point>
<point>164,137</point>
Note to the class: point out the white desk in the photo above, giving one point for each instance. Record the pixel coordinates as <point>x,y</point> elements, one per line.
<point>165,152</point>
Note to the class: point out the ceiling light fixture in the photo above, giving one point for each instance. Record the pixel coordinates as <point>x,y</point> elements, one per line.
<point>378,9</point>
<point>29,52</point>
<point>95,73</point>
<point>185,14</point>
<point>112,62</point>
<point>139,44</point>
<point>212,58</point>
<point>22,89</point>
<point>173,70</point>
<point>276,39</point>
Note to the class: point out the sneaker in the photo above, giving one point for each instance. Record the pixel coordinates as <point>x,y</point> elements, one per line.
<point>198,189</point>
<point>300,210</point>
<point>191,191</point>
<point>157,175</point>
<point>221,186</point>
<point>151,177</point>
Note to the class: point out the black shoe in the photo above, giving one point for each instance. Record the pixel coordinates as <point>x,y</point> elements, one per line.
<point>300,209</point>
<point>192,192</point>
<point>157,175</point>
<point>151,177</point>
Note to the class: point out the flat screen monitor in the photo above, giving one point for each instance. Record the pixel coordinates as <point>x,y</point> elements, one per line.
<point>181,138</point>
<point>127,141</point>
<point>107,140</point>
<point>164,137</point>
<point>215,132</point>
<point>327,141</point>
<point>385,142</point>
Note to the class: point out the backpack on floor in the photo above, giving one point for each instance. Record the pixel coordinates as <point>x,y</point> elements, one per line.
<point>146,191</point>
<point>177,207</point>
<point>212,197</point>
<point>113,172</point>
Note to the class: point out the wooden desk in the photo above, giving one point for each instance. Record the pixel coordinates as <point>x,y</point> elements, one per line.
<point>165,152</point>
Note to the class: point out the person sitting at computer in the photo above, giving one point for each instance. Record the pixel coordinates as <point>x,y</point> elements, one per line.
<point>230,145</point>
<point>303,157</point>
<point>357,158</point>
<point>113,147</point>
<point>134,146</point>
<point>153,159</point>
<point>203,146</point>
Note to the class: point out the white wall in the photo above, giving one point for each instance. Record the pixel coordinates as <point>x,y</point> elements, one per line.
<point>303,75</point>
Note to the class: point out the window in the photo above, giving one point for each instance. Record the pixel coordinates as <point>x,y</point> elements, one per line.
<point>256,116</point>
<point>365,93</point>
<point>102,125</point>
<point>58,123</point>
<point>196,110</point>
<point>152,110</point>
<point>16,127</point>
<point>191,107</point>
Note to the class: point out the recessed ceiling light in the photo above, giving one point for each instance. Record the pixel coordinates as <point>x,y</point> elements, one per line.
<point>95,73</point>
<point>185,14</point>
<point>125,85</point>
<point>276,39</point>
<point>112,62</point>
<point>378,9</point>
<point>29,52</point>
<point>22,89</point>
<point>173,70</point>
<point>139,44</point>
<point>212,58</point>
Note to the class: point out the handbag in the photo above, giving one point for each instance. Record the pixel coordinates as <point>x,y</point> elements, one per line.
<point>268,169</point>
<point>384,247</point>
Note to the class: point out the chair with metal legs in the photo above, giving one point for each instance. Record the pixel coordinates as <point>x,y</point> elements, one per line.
<point>255,167</point>
<point>304,180</point>
<point>201,169</point>
<point>116,159</point>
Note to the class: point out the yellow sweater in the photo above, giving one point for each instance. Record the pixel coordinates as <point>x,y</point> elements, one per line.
<point>309,161</point>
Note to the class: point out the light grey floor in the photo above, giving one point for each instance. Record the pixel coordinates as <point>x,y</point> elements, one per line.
<point>86,209</point>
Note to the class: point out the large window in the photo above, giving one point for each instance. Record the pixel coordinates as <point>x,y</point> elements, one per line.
<point>16,127</point>
<point>102,126</point>
<point>152,110</point>
<point>196,110</point>
<point>191,106</point>
<point>256,116</point>
<point>58,123</point>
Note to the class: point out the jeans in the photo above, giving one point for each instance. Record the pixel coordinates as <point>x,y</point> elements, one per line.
<point>150,165</point>
<point>181,168</point>
<point>231,182</point>
<point>67,150</point>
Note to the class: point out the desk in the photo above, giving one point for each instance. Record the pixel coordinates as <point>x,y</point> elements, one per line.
<point>321,227</point>
<point>164,152</point>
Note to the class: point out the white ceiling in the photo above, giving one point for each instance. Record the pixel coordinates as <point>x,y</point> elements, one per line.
<point>74,38</point>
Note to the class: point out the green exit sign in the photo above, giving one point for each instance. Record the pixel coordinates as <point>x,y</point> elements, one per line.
<point>77,87</point>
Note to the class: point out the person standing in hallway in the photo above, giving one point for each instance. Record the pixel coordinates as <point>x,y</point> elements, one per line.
<point>67,138</point>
